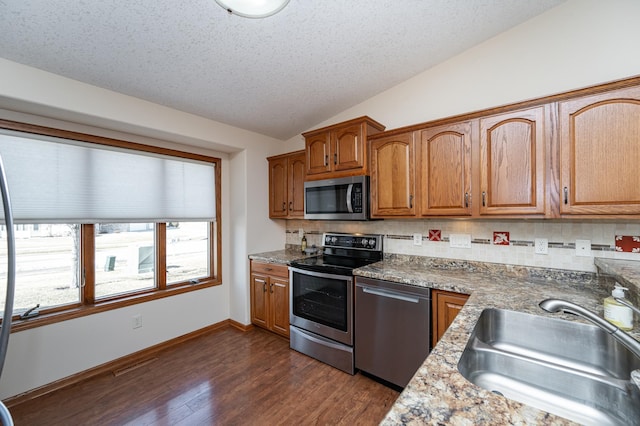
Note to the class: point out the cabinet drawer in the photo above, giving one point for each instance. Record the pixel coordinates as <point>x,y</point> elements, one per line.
<point>273,269</point>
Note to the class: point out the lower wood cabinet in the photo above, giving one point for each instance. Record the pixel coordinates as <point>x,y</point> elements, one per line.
<point>445,306</point>
<point>269,289</point>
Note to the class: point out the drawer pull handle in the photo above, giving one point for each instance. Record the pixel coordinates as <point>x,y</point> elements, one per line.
<point>484,195</point>
<point>466,200</point>
<point>566,195</point>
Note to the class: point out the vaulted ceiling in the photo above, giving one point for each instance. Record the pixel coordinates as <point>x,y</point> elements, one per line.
<point>277,76</point>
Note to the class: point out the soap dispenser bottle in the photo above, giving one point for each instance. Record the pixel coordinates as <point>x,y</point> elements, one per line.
<point>616,313</point>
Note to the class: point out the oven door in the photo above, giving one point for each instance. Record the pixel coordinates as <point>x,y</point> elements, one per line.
<point>322,304</point>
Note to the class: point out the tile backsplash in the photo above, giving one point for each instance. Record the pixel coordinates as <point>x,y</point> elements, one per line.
<point>488,239</point>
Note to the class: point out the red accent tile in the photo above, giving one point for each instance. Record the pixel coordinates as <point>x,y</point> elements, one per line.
<point>501,238</point>
<point>435,235</point>
<point>628,244</point>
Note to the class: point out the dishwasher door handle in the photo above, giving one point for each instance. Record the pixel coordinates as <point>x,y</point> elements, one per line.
<point>389,294</point>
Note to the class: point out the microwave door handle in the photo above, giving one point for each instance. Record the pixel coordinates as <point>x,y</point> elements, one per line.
<point>349,190</point>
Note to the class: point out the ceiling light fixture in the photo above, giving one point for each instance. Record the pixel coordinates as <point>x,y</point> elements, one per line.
<point>253,8</point>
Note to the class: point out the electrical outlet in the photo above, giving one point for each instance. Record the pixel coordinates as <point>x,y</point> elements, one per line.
<point>583,247</point>
<point>417,239</point>
<point>542,245</point>
<point>136,321</point>
<point>460,240</point>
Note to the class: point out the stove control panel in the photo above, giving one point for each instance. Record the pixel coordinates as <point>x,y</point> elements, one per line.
<point>353,241</point>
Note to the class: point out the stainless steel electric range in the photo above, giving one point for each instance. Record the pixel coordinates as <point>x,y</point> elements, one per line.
<point>322,297</point>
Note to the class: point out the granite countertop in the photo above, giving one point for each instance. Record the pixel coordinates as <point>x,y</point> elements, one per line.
<point>284,257</point>
<point>438,393</point>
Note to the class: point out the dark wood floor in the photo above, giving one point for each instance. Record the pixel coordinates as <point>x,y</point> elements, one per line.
<point>227,377</point>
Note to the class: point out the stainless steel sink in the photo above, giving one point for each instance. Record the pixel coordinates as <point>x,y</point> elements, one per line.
<point>573,370</point>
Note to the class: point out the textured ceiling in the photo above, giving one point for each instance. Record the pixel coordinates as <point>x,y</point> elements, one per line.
<point>277,76</point>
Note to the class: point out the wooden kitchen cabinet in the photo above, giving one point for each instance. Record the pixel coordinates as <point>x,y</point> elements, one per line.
<point>339,150</point>
<point>600,153</point>
<point>393,176</point>
<point>445,306</point>
<point>269,292</point>
<point>445,169</point>
<point>286,185</point>
<point>512,163</point>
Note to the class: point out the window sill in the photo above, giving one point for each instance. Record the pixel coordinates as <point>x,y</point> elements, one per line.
<point>77,311</point>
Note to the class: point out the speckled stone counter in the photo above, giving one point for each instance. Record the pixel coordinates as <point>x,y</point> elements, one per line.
<point>438,394</point>
<point>284,257</point>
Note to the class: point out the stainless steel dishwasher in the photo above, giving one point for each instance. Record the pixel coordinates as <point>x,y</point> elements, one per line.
<point>392,329</point>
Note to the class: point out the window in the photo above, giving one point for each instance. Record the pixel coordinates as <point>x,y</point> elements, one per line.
<point>47,266</point>
<point>187,251</point>
<point>124,259</point>
<point>104,223</point>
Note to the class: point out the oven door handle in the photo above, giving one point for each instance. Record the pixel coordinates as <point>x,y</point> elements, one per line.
<point>349,204</point>
<point>389,294</point>
<point>348,278</point>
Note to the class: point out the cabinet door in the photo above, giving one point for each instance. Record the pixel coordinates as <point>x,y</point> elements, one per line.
<point>512,163</point>
<point>445,170</point>
<point>445,307</point>
<point>600,153</point>
<point>296,171</point>
<point>278,187</point>
<point>393,176</point>
<point>348,148</point>
<point>279,295</point>
<point>317,149</point>
<point>260,300</point>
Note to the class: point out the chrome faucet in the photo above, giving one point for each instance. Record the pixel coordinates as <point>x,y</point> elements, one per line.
<point>558,305</point>
<point>628,304</point>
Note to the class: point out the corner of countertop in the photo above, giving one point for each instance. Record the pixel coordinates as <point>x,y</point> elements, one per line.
<point>626,272</point>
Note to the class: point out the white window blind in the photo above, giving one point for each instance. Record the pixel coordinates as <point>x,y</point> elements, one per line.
<point>53,180</point>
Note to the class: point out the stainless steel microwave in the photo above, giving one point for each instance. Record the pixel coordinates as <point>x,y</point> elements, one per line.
<point>337,199</point>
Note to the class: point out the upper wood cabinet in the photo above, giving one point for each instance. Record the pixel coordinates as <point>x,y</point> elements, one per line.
<point>393,181</point>
<point>286,185</point>
<point>512,163</point>
<point>445,169</point>
<point>600,153</point>
<point>339,150</point>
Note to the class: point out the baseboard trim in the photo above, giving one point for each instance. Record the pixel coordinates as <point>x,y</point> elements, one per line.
<point>240,326</point>
<point>119,364</point>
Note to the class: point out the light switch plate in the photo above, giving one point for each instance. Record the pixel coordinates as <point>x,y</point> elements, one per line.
<point>460,240</point>
<point>542,245</point>
<point>583,247</point>
<point>417,239</point>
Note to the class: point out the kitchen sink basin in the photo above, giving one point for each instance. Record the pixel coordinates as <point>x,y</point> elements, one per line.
<point>576,371</point>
